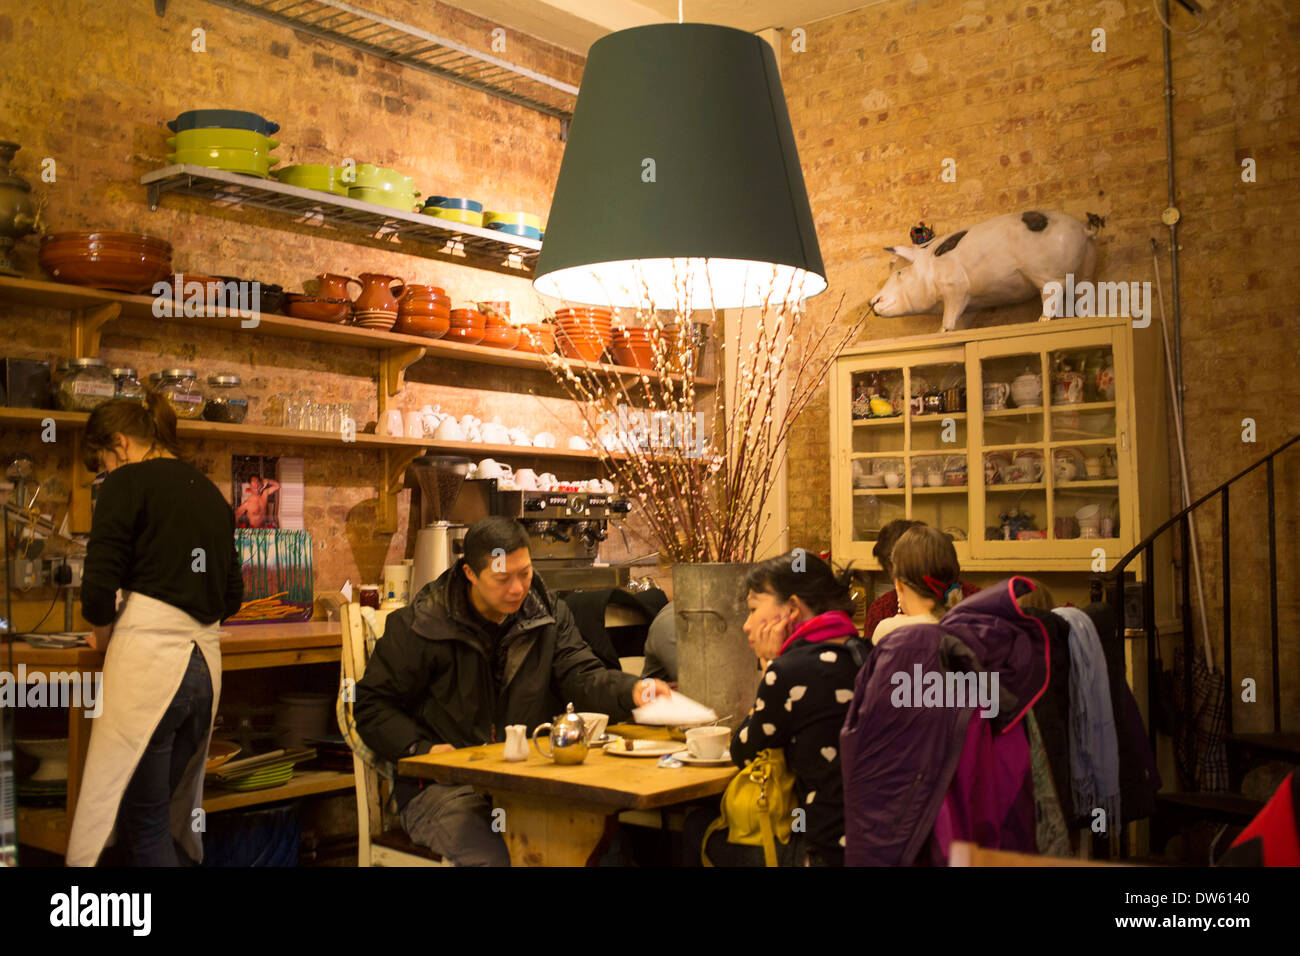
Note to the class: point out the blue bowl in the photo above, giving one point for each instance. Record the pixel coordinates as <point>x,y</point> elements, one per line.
<point>510,229</point>
<point>222,119</point>
<point>448,202</point>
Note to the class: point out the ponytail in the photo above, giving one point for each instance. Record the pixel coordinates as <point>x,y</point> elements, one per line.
<point>153,424</point>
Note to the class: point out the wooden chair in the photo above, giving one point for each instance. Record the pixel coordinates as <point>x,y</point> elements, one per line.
<point>972,854</point>
<point>377,844</point>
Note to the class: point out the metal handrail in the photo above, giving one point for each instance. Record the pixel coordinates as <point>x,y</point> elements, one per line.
<point>1146,548</point>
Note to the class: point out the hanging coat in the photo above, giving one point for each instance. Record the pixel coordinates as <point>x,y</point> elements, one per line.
<point>144,665</point>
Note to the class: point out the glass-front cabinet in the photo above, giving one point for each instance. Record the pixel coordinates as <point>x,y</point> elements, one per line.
<point>1016,440</point>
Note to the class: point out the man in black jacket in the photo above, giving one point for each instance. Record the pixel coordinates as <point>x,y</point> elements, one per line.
<point>483,646</point>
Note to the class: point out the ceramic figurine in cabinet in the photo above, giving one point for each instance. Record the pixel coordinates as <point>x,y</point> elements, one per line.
<point>1001,261</point>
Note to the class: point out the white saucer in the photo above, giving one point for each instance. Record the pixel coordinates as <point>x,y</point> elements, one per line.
<point>685,757</point>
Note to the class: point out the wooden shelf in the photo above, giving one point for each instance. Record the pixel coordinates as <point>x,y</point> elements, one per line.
<point>938,418</point>
<point>1026,486</point>
<point>46,828</point>
<point>1064,486</point>
<point>78,298</point>
<point>1084,439</point>
<point>944,490</point>
<point>879,491</point>
<point>877,422</point>
<point>302,784</point>
<point>1012,412</point>
<point>1083,407</point>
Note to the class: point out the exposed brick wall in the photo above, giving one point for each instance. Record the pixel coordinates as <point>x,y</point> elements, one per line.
<point>1035,119</point>
<point>92,85</point>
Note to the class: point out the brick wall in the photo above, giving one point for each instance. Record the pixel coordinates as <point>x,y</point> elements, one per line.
<point>1035,119</point>
<point>91,86</point>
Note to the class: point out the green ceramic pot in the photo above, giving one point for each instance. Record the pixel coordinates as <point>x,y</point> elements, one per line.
<point>222,139</point>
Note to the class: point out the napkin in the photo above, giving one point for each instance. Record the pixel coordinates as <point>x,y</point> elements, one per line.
<point>674,710</point>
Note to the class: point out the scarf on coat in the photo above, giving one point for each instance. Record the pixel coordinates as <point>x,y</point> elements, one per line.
<point>823,627</point>
<point>1094,751</point>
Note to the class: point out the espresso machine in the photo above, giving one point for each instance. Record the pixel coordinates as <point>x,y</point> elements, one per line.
<point>440,539</point>
<point>565,529</point>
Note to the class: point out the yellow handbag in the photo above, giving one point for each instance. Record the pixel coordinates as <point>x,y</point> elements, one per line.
<point>757,806</point>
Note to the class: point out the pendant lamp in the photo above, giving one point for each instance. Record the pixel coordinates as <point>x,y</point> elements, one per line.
<point>680,185</point>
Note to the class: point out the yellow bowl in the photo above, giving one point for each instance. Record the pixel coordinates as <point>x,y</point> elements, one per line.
<point>232,160</point>
<point>468,216</point>
<point>222,139</point>
<point>513,218</point>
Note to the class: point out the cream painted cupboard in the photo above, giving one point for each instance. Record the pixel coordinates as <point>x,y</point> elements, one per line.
<point>1037,446</point>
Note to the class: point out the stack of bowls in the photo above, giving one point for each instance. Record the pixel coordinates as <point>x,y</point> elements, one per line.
<point>233,140</point>
<point>632,348</point>
<point>467,326</point>
<point>122,261</point>
<point>514,223</point>
<point>465,211</point>
<point>584,333</point>
<point>317,308</point>
<point>383,187</point>
<point>326,179</point>
<point>499,333</point>
<point>539,338</point>
<point>424,310</point>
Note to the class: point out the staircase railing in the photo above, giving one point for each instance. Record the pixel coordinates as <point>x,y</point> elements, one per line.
<point>1114,579</point>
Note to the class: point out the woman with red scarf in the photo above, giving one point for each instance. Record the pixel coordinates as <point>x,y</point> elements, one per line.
<point>800,629</point>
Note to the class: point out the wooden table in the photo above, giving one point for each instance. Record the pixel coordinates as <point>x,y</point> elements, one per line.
<point>563,815</point>
<point>243,647</point>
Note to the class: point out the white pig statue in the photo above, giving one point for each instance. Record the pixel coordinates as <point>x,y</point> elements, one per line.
<point>999,261</point>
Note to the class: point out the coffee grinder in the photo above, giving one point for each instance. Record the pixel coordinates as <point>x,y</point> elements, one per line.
<point>439,542</point>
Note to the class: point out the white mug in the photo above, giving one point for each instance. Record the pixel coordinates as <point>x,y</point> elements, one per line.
<point>893,479</point>
<point>578,443</point>
<point>494,433</point>
<point>489,468</point>
<point>544,440</point>
<point>414,425</point>
<point>526,479</point>
<point>391,423</point>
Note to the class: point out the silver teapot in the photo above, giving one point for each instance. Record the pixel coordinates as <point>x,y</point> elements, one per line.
<point>568,738</point>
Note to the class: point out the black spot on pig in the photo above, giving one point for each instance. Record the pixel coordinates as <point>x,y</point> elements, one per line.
<point>1036,221</point>
<point>949,244</point>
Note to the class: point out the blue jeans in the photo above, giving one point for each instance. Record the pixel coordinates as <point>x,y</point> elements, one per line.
<point>144,818</point>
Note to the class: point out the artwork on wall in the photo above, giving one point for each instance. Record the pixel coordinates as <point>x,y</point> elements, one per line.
<point>277,571</point>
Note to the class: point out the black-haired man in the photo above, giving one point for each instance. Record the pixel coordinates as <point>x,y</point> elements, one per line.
<point>483,646</point>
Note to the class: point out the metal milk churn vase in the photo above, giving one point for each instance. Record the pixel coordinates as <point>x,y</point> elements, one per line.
<point>715,664</point>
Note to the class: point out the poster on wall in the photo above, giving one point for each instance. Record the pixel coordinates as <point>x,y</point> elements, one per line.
<point>267,491</point>
<point>276,568</point>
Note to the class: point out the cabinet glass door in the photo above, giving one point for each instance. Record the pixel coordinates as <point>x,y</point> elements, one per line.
<point>877,450</point>
<point>1012,449</point>
<point>1082,438</point>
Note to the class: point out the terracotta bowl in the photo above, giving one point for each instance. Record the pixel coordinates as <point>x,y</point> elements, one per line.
<point>429,326</point>
<point>586,310</point>
<point>501,338</point>
<point>415,289</point>
<point>536,338</point>
<point>112,238</point>
<point>467,317</point>
<point>182,284</point>
<point>465,336</point>
<point>576,330</point>
<point>377,320</point>
<point>580,347</point>
<point>123,271</point>
<point>316,308</point>
<point>633,358</point>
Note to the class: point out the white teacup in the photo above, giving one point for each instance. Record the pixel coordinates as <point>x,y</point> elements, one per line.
<point>893,479</point>
<point>594,725</point>
<point>708,743</point>
<point>543,440</point>
<point>578,443</point>
<point>546,480</point>
<point>526,479</point>
<point>934,478</point>
<point>414,425</point>
<point>494,433</point>
<point>607,486</point>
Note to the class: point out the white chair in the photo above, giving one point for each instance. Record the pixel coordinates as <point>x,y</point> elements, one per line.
<point>378,844</point>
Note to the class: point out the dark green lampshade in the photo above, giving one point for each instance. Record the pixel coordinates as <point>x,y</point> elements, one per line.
<point>705,104</point>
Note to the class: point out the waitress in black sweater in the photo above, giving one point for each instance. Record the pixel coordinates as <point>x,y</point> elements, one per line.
<point>162,534</point>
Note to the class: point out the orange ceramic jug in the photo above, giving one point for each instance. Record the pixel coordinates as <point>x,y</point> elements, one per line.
<point>334,286</point>
<point>376,306</point>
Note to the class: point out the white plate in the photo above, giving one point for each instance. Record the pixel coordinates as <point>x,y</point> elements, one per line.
<point>685,757</point>
<point>644,748</point>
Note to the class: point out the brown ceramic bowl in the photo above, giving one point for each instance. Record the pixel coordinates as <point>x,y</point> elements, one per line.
<point>317,308</point>
<point>429,326</point>
<point>377,320</point>
<point>121,271</point>
<point>415,289</point>
<point>501,338</point>
<point>536,338</point>
<point>467,317</point>
<point>424,307</point>
<point>182,286</point>
<point>111,238</point>
<point>593,310</point>
<point>465,336</point>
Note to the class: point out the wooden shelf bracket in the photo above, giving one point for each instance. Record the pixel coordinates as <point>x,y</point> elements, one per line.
<point>86,326</point>
<point>396,461</point>
<point>392,363</point>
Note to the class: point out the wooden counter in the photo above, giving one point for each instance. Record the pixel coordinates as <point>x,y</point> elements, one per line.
<point>243,647</point>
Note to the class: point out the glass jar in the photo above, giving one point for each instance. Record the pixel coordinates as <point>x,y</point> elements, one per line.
<point>181,388</point>
<point>227,400</point>
<point>86,384</point>
<point>127,385</point>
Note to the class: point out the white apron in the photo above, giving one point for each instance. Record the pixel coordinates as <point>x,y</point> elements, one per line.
<point>146,660</point>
